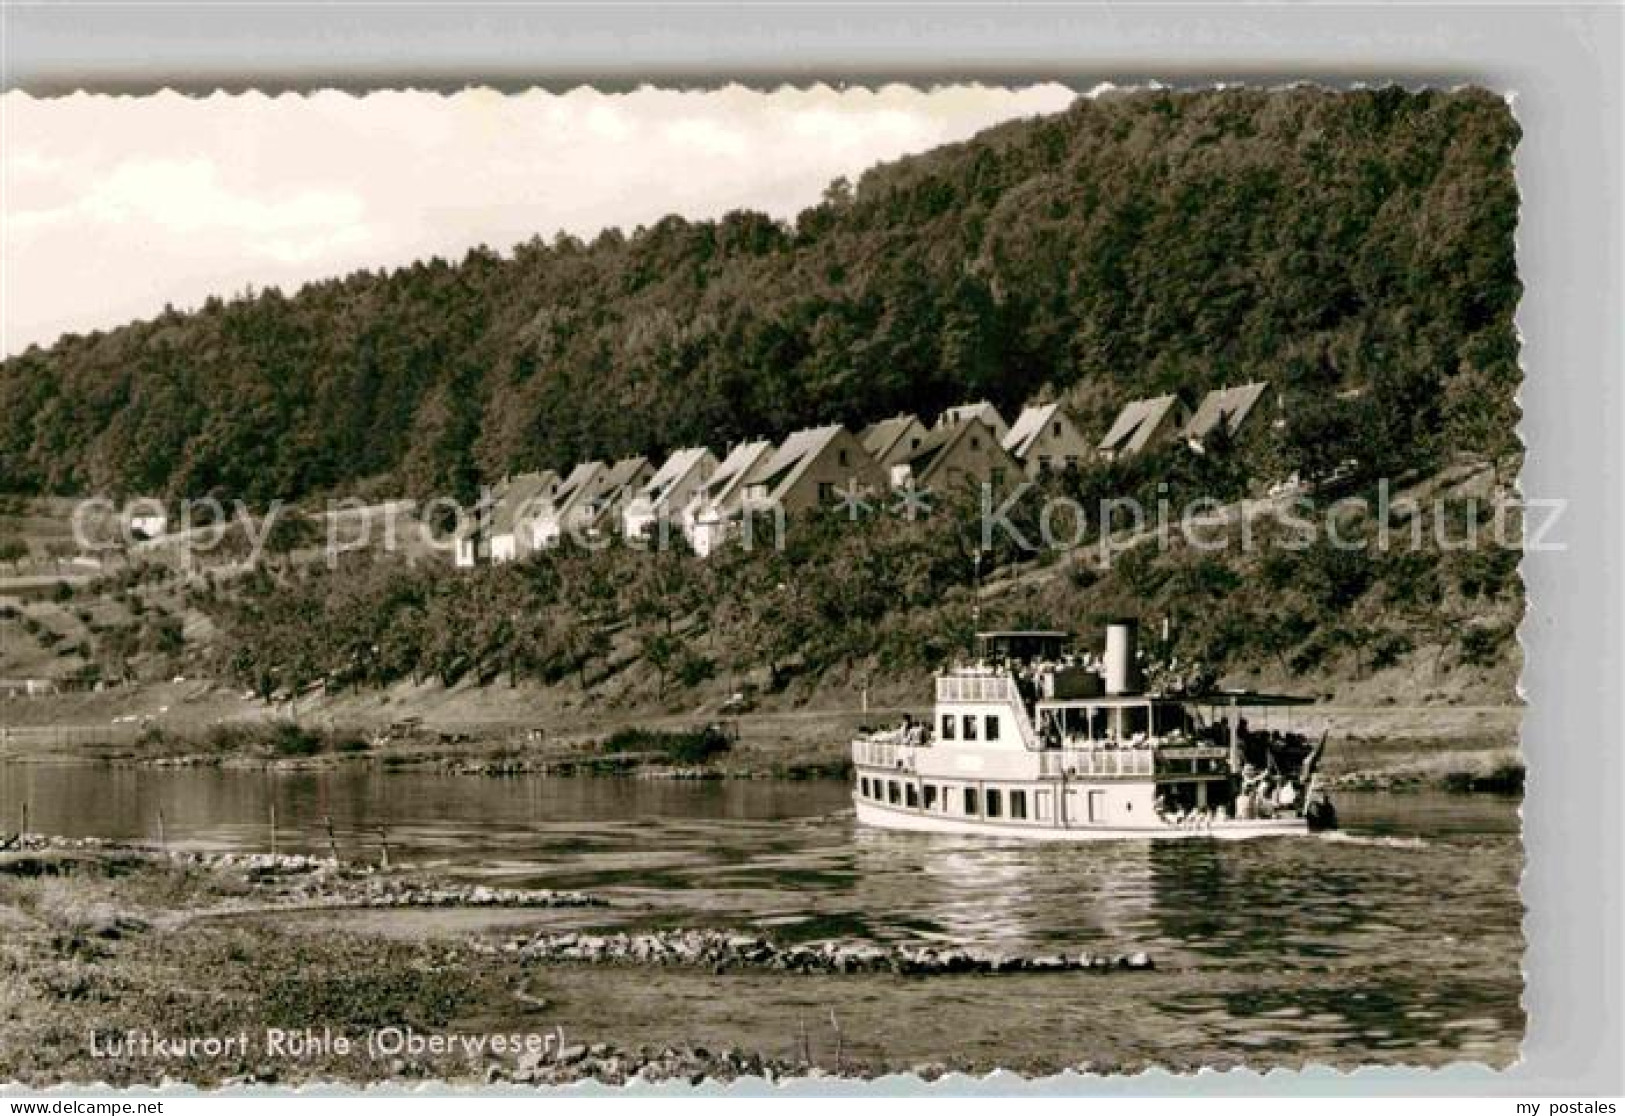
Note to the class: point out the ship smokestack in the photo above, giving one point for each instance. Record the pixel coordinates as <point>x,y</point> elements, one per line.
<point>1122,666</point>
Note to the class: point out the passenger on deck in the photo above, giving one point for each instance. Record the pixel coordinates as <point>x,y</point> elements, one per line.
<point>1167,809</point>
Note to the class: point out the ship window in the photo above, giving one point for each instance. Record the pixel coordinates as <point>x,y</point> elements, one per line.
<point>993,804</point>
<point>970,802</point>
<point>947,726</point>
<point>992,727</point>
<point>913,795</point>
<point>970,726</point>
<point>891,792</point>
<point>930,796</point>
<point>1018,804</point>
<point>864,783</point>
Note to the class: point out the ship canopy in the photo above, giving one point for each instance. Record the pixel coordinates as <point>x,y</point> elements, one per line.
<point>1023,646</point>
<point>1247,699</point>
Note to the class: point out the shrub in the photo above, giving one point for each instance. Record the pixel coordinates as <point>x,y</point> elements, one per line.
<point>692,668</point>
<point>695,746</point>
<point>1481,643</point>
<point>288,739</point>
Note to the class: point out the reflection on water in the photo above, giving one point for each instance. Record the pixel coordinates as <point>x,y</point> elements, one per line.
<point>1400,933</point>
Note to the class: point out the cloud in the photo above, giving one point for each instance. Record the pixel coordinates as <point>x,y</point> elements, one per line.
<point>116,206</point>
<point>186,198</point>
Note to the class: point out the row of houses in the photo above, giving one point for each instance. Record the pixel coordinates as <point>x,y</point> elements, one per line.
<point>706,498</point>
<point>1149,423</point>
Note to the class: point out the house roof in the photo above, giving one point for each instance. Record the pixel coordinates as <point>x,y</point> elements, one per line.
<point>730,476</point>
<point>967,411</point>
<point>779,473</point>
<point>937,446</point>
<point>1028,427</point>
<point>582,483</point>
<point>1137,423</point>
<point>677,466</point>
<point>931,448</point>
<point>522,495</point>
<point>622,473</point>
<point>616,484</point>
<point>879,438</point>
<point>1230,406</point>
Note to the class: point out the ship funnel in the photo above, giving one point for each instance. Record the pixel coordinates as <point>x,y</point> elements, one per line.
<point>1122,666</point>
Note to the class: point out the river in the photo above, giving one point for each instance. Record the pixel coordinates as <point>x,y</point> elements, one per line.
<point>1395,940</point>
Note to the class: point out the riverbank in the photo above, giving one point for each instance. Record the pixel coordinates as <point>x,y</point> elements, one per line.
<point>1471,750</point>
<point>131,965</point>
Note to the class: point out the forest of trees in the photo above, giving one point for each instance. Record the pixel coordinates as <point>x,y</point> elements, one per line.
<point>1140,242</point>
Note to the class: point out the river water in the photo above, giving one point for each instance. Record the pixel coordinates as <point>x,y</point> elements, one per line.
<point>1395,940</point>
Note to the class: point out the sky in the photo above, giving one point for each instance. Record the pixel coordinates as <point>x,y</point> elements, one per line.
<point>112,207</point>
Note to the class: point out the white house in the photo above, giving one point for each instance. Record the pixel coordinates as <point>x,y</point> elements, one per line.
<point>668,492</point>
<point>813,468</point>
<point>622,482</point>
<point>569,505</point>
<point>892,441</point>
<point>953,458</point>
<point>1143,424</point>
<point>1228,407</point>
<point>1045,439</point>
<point>711,510</point>
<point>967,412</point>
<point>516,503</point>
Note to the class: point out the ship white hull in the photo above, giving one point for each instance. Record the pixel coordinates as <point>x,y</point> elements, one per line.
<point>886,816</point>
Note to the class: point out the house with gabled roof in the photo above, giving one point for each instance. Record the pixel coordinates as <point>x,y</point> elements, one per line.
<point>1045,439</point>
<point>811,468</point>
<point>1228,407</point>
<point>954,458</point>
<point>1144,424</point>
<point>715,506</point>
<point>516,503</point>
<point>621,482</point>
<point>890,441</point>
<point>570,504</point>
<point>668,492</point>
<point>967,412</point>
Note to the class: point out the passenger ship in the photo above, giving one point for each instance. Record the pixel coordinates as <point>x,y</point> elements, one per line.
<point>1033,742</point>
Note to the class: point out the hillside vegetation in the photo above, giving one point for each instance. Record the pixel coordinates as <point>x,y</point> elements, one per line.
<point>1355,250</point>
<point>884,600</point>
<point>1135,243</point>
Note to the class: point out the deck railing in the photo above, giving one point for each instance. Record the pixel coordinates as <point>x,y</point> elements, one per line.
<point>876,753</point>
<point>988,687</point>
<point>1203,760</point>
<point>1098,764</point>
<point>1082,763</point>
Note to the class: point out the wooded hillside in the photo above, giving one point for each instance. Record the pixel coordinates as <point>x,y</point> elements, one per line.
<point>1135,243</point>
